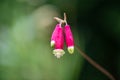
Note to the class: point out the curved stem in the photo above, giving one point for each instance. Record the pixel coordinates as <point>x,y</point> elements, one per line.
<point>59,20</point>
<point>65,18</point>
<point>91,61</point>
<point>96,65</point>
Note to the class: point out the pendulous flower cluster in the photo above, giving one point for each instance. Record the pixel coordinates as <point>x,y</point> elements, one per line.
<point>57,38</point>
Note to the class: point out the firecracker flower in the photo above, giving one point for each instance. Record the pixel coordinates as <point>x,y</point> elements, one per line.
<point>69,39</point>
<point>57,39</point>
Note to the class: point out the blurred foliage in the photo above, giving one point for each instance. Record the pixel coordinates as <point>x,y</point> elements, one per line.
<point>25,31</point>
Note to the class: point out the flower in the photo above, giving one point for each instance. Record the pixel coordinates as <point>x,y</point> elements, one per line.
<point>57,40</point>
<point>69,39</point>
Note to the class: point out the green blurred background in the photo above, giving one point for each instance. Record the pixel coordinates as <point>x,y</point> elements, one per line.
<point>25,31</point>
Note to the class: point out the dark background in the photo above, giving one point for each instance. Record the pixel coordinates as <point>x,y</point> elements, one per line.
<point>26,27</point>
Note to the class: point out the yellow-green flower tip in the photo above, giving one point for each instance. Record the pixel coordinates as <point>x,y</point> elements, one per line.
<point>71,49</point>
<point>58,52</point>
<point>52,43</point>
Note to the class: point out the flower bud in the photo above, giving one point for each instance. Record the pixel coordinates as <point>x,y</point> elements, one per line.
<point>69,39</point>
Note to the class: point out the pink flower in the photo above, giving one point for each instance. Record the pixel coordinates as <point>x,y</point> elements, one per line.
<point>57,40</point>
<point>69,39</point>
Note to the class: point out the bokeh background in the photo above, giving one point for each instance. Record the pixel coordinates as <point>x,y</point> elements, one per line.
<point>25,31</point>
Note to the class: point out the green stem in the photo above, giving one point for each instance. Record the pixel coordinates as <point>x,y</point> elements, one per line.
<point>95,64</point>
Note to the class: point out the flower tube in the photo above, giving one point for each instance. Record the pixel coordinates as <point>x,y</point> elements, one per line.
<point>69,39</point>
